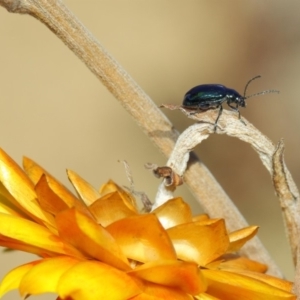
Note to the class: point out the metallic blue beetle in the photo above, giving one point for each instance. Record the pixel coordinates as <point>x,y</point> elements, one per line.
<point>210,96</point>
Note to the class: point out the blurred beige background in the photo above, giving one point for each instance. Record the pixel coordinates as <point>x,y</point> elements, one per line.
<point>55,111</point>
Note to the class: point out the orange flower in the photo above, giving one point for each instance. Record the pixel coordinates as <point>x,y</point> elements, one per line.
<point>99,246</point>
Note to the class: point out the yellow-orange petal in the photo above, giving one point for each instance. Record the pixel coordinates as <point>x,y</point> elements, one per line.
<point>39,238</point>
<point>204,296</point>
<point>34,171</point>
<point>111,208</point>
<point>183,275</point>
<point>7,210</point>
<point>12,279</point>
<point>111,186</point>
<point>50,195</point>
<point>238,263</point>
<point>92,280</point>
<point>200,243</point>
<point>91,238</point>
<point>17,245</point>
<point>19,190</point>
<point>271,280</point>
<point>232,286</point>
<point>201,217</point>
<point>154,291</point>
<point>239,237</point>
<point>47,199</point>
<point>173,212</point>
<point>142,238</point>
<point>87,193</point>
<point>44,276</point>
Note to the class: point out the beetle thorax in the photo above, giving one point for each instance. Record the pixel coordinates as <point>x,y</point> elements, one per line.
<point>236,98</point>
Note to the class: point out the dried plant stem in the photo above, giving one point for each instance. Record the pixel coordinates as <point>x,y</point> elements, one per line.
<point>296,287</point>
<point>270,155</point>
<point>157,127</point>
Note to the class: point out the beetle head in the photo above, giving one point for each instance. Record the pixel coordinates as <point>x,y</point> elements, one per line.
<point>234,97</point>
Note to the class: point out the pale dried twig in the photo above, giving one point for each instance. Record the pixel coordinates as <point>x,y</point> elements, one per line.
<point>296,287</point>
<point>147,205</point>
<point>270,155</point>
<point>288,195</point>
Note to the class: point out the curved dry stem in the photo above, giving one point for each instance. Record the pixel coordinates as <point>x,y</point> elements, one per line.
<point>288,195</point>
<point>270,155</point>
<point>157,127</point>
<point>296,287</point>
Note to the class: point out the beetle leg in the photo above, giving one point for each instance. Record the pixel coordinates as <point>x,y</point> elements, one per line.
<point>218,117</point>
<point>236,108</point>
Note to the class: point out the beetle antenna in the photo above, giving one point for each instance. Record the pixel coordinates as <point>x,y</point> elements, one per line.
<point>262,93</point>
<point>246,87</point>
